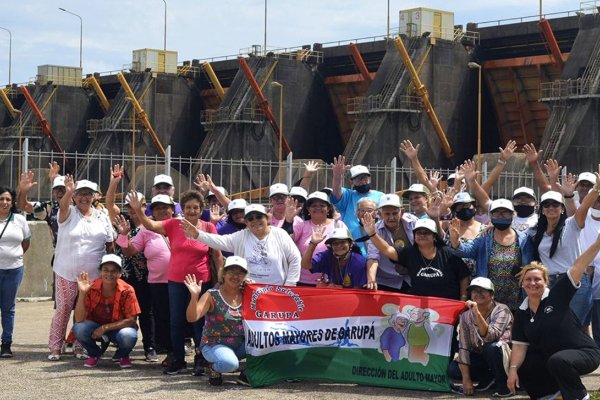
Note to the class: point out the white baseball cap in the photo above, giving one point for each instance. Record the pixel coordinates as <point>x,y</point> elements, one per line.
<point>338,234</point>
<point>416,188</point>
<point>255,208</point>
<point>298,191</point>
<point>502,203</point>
<point>59,181</point>
<point>426,223</point>
<point>236,261</point>
<point>552,195</point>
<point>524,190</point>
<point>278,188</point>
<point>481,282</point>
<point>317,196</point>
<point>221,190</point>
<point>162,199</point>
<point>237,204</point>
<point>587,176</point>
<point>462,197</point>
<point>359,170</point>
<point>139,195</point>
<point>162,178</point>
<point>111,258</point>
<point>390,200</point>
<point>85,184</point>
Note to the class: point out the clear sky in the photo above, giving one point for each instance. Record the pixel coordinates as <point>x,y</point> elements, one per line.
<point>42,34</point>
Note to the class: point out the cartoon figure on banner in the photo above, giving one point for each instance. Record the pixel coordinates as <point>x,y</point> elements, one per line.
<point>393,339</point>
<point>419,334</point>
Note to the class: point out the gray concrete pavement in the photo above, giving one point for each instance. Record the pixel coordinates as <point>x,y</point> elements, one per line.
<point>30,376</point>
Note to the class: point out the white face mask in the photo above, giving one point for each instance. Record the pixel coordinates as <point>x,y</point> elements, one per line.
<point>595,213</point>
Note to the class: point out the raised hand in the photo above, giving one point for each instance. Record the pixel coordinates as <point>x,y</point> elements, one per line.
<point>116,173</point>
<point>468,170</point>
<point>454,232</point>
<point>122,224</point>
<point>134,201</point>
<point>434,179</point>
<point>83,282</point>
<point>318,234</point>
<point>531,153</point>
<point>448,198</point>
<point>339,166</point>
<point>368,222</point>
<point>194,287</point>
<point>69,183</point>
<point>567,187</point>
<point>202,184</point>
<point>291,209</point>
<point>311,167</point>
<point>215,213</point>
<point>410,151</point>
<point>54,171</point>
<point>553,170</point>
<point>507,152</point>
<point>191,232</point>
<point>27,181</point>
<point>435,206</point>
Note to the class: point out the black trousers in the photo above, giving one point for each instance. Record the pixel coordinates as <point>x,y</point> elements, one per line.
<point>541,375</point>
<point>146,318</point>
<point>162,315</point>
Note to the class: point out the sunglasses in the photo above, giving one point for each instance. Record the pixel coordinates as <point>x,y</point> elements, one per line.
<point>252,217</point>
<point>553,204</point>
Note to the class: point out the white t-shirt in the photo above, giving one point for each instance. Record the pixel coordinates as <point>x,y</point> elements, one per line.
<point>11,251</point>
<point>567,251</point>
<point>264,260</point>
<point>522,224</point>
<point>588,236</point>
<point>81,243</point>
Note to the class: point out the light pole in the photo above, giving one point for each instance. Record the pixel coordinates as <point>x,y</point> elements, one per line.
<point>165,34</point>
<point>265,41</point>
<point>275,84</point>
<point>478,66</point>
<point>388,18</point>
<point>9,52</point>
<point>133,117</point>
<point>20,140</point>
<point>80,35</point>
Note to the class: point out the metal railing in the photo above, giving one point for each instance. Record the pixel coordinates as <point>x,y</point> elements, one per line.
<point>240,177</point>
<point>529,18</point>
<point>567,89</point>
<point>222,115</point>
<point>377,103</point>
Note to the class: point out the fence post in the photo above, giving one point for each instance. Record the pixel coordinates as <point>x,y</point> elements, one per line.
<point>25,157</point>
<point>168,160</point>
<point>289,160</point>
<point>393,165</point>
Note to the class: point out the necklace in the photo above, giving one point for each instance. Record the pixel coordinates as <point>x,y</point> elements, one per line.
<point>427,263</point>
<point>532,314</point>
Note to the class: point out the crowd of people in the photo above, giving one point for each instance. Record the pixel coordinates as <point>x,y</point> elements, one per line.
<point>522,266</point>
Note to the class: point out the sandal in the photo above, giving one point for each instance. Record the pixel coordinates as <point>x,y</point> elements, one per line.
<point>54,357</point>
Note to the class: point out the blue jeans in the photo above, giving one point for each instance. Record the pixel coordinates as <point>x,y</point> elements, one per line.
<point>581,303</point>
<point>125,338</point>
<point>179,297</point>
<point>224,358</point>
<point>10,279</point>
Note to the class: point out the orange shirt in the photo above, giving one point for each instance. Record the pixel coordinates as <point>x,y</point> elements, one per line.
<point>124,301</point>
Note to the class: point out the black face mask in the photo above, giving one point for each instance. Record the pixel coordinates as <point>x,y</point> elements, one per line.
<point>524,211</point>
<point>501,224</point>
<point>465,214</point>
<point>362,189</point>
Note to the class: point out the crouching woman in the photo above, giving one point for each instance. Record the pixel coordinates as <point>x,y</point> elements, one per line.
<point>106,310</point>
<point>222,342</point>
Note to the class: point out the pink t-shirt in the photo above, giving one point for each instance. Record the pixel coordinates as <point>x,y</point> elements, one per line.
<point>157,253</point>
<point>187,256</point>
<point>302,235</point>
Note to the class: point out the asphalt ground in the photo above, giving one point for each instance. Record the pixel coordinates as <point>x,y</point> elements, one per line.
<point>29,375</point>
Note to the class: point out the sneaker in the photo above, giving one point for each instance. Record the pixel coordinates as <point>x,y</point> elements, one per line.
<point>484,385</point>
<point>199,364</point>
<point>457,390</point>
<point>214,378</point>
<point>5,351</point>
<point>151,355</point>
<point>242,379</point>
<point>80,354</point>
<point>125,362</point>
<point>175,368</point>
<point>91,362</point>
<point>502,393</point>
<point>188,347</point>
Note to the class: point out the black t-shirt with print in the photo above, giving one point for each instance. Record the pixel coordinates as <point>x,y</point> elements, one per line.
<point>439,277</point>
<point>554,326</point>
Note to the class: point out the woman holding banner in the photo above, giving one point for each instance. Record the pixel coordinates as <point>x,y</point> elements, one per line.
<point>223,335</point>
<point>550,350</point>
<point>433,269</point>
